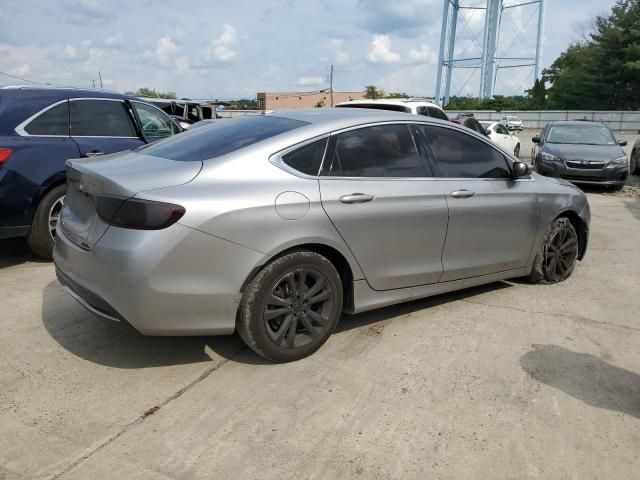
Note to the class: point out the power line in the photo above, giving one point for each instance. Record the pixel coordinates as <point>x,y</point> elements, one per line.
<point>20,78</point>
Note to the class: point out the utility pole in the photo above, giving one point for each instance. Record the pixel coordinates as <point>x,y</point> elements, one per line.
<point>94,83</point>
<point>100,75</point>
<point>331,84</point>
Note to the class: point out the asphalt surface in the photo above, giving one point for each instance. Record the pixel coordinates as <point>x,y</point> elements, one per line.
<point>507,380</point>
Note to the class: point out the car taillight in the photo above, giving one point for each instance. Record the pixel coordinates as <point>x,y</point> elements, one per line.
<point>5,153</point>
<point>137,213</point>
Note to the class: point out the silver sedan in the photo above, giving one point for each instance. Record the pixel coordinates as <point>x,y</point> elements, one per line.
<point>273,225</point>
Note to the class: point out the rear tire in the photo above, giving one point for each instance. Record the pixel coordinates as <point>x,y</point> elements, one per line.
<point>556,259</point>
<point>41,237</point>
<point>634,168</point>
<point>291,307</point>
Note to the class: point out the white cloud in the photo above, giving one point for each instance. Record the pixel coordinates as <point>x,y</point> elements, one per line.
<point>114,41</point>
<point>22,70</point>
<point>335,42</point>
<point>166,55</point>
<point>380,50</point>
<point>424,54</point>
<point>342,57</point>
<point>309,81</point>
<point>222,48</point>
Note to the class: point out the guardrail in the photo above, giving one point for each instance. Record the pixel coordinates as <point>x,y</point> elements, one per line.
<point>238,113</point>
<point>623,121</point>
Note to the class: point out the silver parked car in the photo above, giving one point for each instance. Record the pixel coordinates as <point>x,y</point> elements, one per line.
<point>276,224</point>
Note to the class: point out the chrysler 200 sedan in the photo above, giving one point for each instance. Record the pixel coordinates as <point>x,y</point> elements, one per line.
<point>274,225</point>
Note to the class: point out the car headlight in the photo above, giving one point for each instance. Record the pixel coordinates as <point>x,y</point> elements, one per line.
<point>548,156</point>
<point>619,161</point>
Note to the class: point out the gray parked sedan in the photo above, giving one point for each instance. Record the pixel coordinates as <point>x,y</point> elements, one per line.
<point>276,224</point>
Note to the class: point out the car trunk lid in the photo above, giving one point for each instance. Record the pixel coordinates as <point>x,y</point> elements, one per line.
<point>120,175</point>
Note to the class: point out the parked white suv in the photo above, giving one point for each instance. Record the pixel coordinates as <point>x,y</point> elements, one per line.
<point>408,105</point>
<point>512,123</point>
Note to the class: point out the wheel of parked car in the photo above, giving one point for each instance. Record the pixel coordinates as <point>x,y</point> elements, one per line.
<point>43,228</point>
<point>516,151</point>
<point>291,306</point>
<point>634,168</point>
<point>558,253</point>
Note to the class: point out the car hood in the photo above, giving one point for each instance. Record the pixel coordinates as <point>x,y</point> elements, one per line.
<point>128,173</point>
<point>584,152</point>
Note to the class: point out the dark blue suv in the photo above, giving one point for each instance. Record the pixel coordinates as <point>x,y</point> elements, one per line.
<point>40,128</point>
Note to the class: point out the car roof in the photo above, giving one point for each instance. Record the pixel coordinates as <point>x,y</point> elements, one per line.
<point>390,101</point>
<point>576,122</point>
<point>336,118</point>
<point>62,92</point>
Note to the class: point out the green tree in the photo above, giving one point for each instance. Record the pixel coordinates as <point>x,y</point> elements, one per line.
<point>602,72</point>
<point>537,95</point>
<point>148,92</point>
<point>396,95</point>
<point>373,93</point>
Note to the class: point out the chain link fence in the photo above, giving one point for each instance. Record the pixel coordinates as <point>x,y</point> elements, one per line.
<point>537,119</point>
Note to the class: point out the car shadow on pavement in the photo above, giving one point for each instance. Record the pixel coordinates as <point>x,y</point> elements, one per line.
<point>585,377</point>
<point>119,345</point>
<point>14,251</point>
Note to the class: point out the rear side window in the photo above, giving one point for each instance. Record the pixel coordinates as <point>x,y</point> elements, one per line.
<point>220,137</point>
<point>380,151</point>
<point>437,113</point>
<point>54,121</point>
<point>460,155</point>
<point>100,118</point>
<point>307,159</point>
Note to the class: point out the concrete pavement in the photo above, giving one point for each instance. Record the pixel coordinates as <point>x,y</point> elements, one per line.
<point>507,380</point>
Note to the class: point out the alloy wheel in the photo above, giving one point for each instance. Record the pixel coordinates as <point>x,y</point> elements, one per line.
<point>298,307</point>
<point>561,254</point>
<point>54,215</point>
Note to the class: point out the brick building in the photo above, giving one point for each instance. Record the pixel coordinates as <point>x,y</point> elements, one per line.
<point>276,100</point>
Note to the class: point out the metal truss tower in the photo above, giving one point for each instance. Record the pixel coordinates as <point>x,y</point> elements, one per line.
<point>489,62</point>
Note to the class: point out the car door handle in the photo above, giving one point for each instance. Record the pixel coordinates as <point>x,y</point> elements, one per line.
<point>462,193</point>
<point>356,198</point>
<point>94,154</point>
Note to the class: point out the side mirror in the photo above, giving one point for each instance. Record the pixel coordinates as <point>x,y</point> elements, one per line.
<point>622,143</point>
<point>487,132</point>
<point>536,139</point>
<point>521,169</point>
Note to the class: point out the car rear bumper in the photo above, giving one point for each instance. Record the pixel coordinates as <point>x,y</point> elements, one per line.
<point>176,281</point>
<point>608,176</point>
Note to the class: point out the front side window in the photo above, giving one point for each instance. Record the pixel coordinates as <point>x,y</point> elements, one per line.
<point>460,155</point>
<point>475,125</point>
<point>306,159</point>
<point>379,151</point>
<point>422,111</point>
<point>153,122</point>
<point>502,129</point>
<point>100,118</point>
<point>54,121</point>
<point>437,113</point>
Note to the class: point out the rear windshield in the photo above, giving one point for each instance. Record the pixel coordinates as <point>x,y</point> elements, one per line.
<point>378,106</point>
<point>220,137</point>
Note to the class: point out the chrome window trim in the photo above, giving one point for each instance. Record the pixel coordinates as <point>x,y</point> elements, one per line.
<point>277,160</point>
<point>20,129</point>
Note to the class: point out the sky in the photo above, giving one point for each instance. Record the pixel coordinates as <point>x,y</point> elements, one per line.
<point>233,49</point>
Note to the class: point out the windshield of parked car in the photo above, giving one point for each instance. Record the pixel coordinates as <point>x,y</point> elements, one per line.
<point>220,137</point>
<point>581,135</point>
<point>513,119</point>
